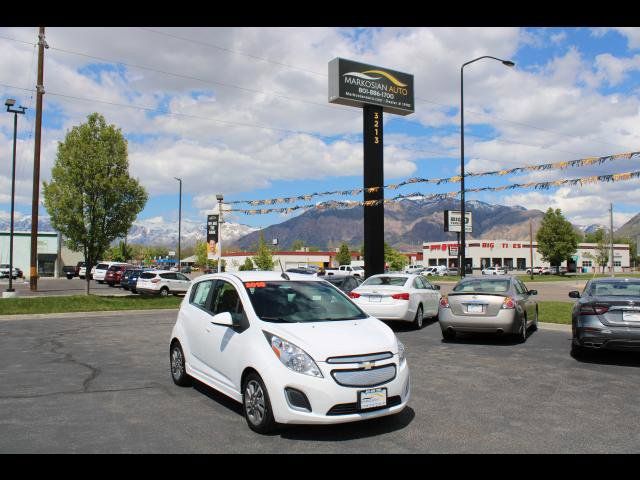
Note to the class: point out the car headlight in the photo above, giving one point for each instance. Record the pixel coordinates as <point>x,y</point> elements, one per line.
<point>401,351</point>
<point>292,356</point>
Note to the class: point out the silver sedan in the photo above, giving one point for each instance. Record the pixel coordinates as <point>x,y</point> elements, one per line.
<point>500,304</point>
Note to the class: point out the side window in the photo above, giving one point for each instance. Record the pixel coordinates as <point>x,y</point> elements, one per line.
<point>168,276</point>
<point>179,276</point>
<point>227,299</point>
<point>427,284</point>
<point>418,283</point>
<point>200,293</point>
<point>520,288</point>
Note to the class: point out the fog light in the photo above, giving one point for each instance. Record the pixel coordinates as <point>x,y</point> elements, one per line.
<point>297,399</point>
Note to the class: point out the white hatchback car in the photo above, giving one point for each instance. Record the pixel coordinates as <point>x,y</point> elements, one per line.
<point>162,282</point>
<point>396,296</point>
<point>291,348</point>
<point>494,271</point>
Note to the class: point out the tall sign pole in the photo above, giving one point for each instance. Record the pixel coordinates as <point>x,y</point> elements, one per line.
<point>613,268</point>
<point>35,202</point>
<point>376,90</point>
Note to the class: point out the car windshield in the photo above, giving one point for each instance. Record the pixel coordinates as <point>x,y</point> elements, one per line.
<point>300,302</point>
<point>482,286</point>
<point>617,289</point>
<point>385,280</point>
<point>102,266</point>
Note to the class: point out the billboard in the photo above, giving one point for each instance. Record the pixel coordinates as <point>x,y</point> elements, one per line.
<point>358,84</point>
<point>213,252</point>
<point>452,221</point>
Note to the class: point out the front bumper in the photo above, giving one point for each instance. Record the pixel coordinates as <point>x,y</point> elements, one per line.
<point>506,320</point>
<point>332,403</point>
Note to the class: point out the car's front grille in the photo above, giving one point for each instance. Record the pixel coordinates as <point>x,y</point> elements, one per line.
<point>351,408</point>
<point>369,357</point>
<point>361,377</point>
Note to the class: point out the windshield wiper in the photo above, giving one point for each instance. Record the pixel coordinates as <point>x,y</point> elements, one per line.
<point>275,319</point>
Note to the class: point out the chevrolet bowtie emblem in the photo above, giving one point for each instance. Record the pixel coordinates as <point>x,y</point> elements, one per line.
<point>367,365</point>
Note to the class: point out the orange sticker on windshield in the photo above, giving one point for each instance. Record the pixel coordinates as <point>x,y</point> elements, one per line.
<point>255,284</point>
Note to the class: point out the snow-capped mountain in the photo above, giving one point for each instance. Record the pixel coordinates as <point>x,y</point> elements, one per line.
<point>593,228</point>
<point>151,231</point>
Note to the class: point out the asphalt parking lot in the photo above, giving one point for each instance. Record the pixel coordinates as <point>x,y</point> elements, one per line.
<point>101,384</point>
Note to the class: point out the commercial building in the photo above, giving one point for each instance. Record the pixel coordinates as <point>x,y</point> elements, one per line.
<point>515,255</point>
<point>52,255</point>
<point>234,260</point>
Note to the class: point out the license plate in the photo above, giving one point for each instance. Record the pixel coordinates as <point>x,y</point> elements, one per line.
<point>372,398</point>
<point>631,316</point>
<point>474,309</point>
<point>375,298</point>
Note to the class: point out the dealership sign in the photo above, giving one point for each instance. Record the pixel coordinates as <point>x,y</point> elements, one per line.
<point>358,84</point>
<point>452,221</point>
<point>212,237</point>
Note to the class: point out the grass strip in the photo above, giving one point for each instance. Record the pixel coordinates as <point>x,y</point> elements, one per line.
<point>84,303</point>
<point>555,312</point>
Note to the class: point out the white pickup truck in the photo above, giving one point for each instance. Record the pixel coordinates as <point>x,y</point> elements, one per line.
<point>356,271</point>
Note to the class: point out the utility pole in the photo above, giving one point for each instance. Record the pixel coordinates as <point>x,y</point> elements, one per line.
<point>179,224</point>
<point>220,198</point>
<point>613,273</point>
<point>531,247</point>
<point>35,202</point>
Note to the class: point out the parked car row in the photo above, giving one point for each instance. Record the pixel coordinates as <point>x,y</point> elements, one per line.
<point>4,271</point>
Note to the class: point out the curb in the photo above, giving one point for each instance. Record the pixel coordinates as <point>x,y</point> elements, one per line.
<point>560,327</point>
<point>98,314</point>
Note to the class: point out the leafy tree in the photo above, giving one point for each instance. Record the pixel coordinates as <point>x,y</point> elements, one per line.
<point>120,253</point>
<point>557,240</point>
<point>201,255</point>
<point>394,258</point>
<point>595,237</point>
<point>602,254</point>
<point>91,198</point>
<point>247,266</point>
<point>264,258</point>
<point>297,245</point>
<point>344,256</point>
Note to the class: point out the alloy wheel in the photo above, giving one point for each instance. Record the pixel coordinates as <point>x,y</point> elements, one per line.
<point>177,363</point>
<point>254,402</point>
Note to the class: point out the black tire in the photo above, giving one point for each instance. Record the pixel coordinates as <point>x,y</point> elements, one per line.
<point>579,352</point>
<point>101,281</point>
<point>418,320</point>
<point>449,335</point>
<point>177,366</point>
<point>133,290</point>
<point>522,333</point>
<point>111,285</point>
<point>256,405</point>
<point>164,292</point>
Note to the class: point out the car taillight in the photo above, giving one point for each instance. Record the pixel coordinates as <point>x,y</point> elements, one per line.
<point>400,296</point>
<point>508,303</point>
<point>593,309</point>
<point>444,302</point>
<point>155,280</point>
<point>354,295</point>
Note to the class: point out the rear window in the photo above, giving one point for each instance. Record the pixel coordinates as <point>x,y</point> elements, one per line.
<point>114,268</point>
<point>102,266</point>
<point>147,275</point>
<point>384,280</point>
<point>617,289</point>
<point>483,286</point>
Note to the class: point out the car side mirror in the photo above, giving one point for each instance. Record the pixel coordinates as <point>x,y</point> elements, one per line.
<point>223,318</point>
<point>533,292</point>
<point>437,287</point>
<point>574,294</point>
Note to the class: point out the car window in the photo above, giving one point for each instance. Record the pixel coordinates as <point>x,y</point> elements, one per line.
<point>618,289</point>
<point>418,283</point>
<point>427,283</point>
<point>102,266</point>
<point>300,302</point>
<point>227,299</point>
<point>482,286</point>
<point>520,288</point>
<point>179,276</point>
<point>147,275</point>
<point>385,280</point>
<point>200,293</point>
<point>168,276</point>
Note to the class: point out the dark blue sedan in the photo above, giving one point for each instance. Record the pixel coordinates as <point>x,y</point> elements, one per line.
<point>130,279</point>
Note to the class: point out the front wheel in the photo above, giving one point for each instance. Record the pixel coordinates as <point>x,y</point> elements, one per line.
<point>256,405</point>
<point>164,292</point>
<point>178,370</point>
<point>418,320</point>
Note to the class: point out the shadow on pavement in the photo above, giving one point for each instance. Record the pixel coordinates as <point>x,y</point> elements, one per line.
<point>348,431</point>
<point>504,340</point>
<point>611,357</point>
<point>218,397</point>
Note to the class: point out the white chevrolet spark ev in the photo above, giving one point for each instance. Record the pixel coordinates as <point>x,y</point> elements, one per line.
<point>291,348</point>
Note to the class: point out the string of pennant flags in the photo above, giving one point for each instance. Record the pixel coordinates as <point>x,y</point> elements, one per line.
<point>583,162</point>
<point>334,204</point>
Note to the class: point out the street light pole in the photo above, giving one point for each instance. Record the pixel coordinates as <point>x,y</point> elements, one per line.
<point>463,223</point>
<point>219,197</point>
<point>179,224</point>
<point>19,110</point>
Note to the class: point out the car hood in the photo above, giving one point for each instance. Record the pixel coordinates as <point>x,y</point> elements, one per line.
<point>322,340</point>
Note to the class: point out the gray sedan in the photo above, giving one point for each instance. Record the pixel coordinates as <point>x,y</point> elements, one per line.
<point>606,315</point>
<point>501,304</point>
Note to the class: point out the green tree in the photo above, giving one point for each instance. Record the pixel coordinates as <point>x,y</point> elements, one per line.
<point>120,253</point>
<point>297,245</point>
<point>201,255</point>
<point>557,240</point>
<point>264,258</point>
<point>344,256</point>
<point>394,258</point>
<point>247,266</point>
<point>91,198</point>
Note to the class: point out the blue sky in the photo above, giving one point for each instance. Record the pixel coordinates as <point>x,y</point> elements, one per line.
<point>244,112</point>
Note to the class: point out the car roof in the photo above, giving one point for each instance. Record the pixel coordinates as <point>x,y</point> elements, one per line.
<point>615,280</point>
<point>264,276</point>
